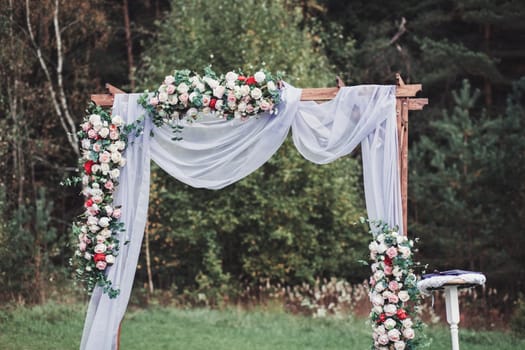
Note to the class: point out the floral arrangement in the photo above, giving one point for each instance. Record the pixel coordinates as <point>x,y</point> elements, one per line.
<point>393,289</point>
<point>103,139</point>
<point>187,95</point>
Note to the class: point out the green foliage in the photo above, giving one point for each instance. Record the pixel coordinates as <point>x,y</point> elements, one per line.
<point>466,190</point>
<point>517,322</point>
<point>230,35</point>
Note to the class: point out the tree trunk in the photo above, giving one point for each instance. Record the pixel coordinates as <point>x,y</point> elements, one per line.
<point>129,46</point>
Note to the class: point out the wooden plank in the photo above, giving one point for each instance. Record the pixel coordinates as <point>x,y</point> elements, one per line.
<point>417,104</point>
<point>308,94</point>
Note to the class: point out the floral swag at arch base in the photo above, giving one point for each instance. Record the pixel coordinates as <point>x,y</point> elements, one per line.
<point>255,115</point>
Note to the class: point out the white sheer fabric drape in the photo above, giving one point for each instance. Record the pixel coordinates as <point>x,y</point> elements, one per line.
<point>216,153</point>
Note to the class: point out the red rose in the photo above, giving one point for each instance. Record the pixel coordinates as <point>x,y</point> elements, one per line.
<point>401,314</point>
<point>88,203</point>
<point>251,81</point>
<point>99,257</point>
<point>213,101</point>
<point>382,318</point>
<point>388,261</point>
<point>241,78</point>
<point>87,166</point>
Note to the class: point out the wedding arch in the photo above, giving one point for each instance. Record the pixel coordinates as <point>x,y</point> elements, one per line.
<point>215,154</point>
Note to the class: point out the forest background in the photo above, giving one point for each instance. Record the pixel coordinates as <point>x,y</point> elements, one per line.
<point>291,223</point>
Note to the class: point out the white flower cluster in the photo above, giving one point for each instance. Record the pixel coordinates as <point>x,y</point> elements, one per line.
<point>103,143</point>
<point>393,286</point>
<point>188,95</point>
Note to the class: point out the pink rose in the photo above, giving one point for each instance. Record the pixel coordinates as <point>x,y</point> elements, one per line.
<point>393,286</point>
<point>92,134</point>
<point>170,89</point>
<point>82,246</point>
<point>392,298</point>
<point>387,270</point>
<point>390,310</point>
<point>206,100</point>
<point>153,101</point>
<point>391,252</point>
<point>409,333</point>
<point>383,339</point>
<point>116,213</point>
<point>184,98</point>
<point>394,335</point>
<point>109,185</point>
<point>101,265</point>
<point>104,157</point>
<point>232,98</point>
<point>114,135</point>
<point>249,108</point>
<point>96,147</point>
<point>266,106</point>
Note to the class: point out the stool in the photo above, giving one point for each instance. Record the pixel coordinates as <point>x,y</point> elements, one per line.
<point>451,281</point>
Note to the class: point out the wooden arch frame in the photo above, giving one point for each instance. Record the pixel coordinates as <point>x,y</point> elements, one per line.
<point>405,102</point>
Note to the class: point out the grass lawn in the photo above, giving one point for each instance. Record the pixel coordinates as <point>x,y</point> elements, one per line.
<point>59,327</point>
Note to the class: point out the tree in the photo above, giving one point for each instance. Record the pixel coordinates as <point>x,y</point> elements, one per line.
<point>290,221</point>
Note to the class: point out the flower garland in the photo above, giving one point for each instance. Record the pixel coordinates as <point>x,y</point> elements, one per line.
<point>393,289</point>
<point>103,139</point>
<point>187,95</point>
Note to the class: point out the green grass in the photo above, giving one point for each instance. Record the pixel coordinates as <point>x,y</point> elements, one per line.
<point>55,326</point>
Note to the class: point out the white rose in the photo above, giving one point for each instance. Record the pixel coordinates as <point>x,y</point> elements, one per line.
<point>104,221</point>
<point>394,335</point>
<point>95,118</point>
<point>104,168</point>
<point>241,107</point>
<point>110,259</point>
<point>173,99</point>
<point>390,309</point>
<point>170,79</point>
<point>256,93</point>
<point>380,238</point>
<point>100,248</point>
<point>397,272</point>
<point>244,90</point>
<point>218,104</point>
<point>407,323</point>
<point>230,84</point>
<point>121,145</point>
<point>390,323</point>
<point>105,232</point>
<point>92,220</point>
<point>116,157</point>
<point>259,77</point>
<point>231,76</point>
<point>104,132</point>
<point>373,246</point>
<point>113,147</point>
<point>182,88</point>
<point>97,126</point>
<point>200,86</point>
<point>192,112</point>
<point>399,345</point>
<point>380,329</point>
<point>379,275</point>
<point>403,296</point>
<point>219,91</point>
<point>381,248</point>
<point>377,309</point>
<point>85,180</point>
<point>86,144</point>
<point>88,268</point>
<point>87,256</point>
<point>409,333</point>
<point>271,86</point>
<point>114,173</point>
<point>379,287</point>
<point>377,299</point>
<point>163,97</point>
<point>117,120</point>
<point>94,228</point>
<point>383,339</point>
<point>100,238</point>
<point>212,83</point>
<point>122,162</point>
<point>405,252</point>
<point>400,239</point>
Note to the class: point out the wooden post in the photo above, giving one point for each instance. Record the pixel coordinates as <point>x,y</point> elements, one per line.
<point>404,103</point>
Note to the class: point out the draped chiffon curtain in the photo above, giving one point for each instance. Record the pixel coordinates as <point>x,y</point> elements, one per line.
<point>216,153</point>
